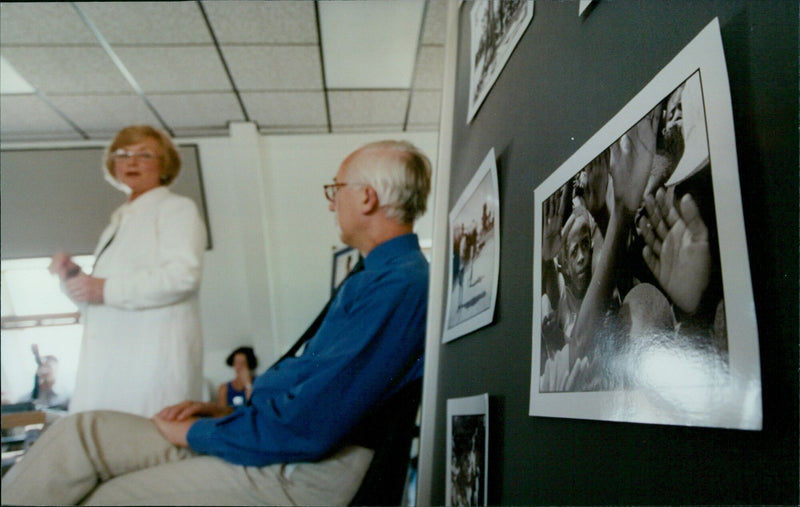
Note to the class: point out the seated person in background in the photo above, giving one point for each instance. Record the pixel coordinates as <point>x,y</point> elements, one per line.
<point>237,392</point>
<point>304,410</point>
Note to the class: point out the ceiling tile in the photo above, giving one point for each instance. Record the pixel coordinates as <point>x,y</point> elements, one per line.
<point>197,109</point>
<point>270,109</point>
<point>370,44</point>
<point>434,28</point>
<point>274,68</point>
<point>21,114</point>
<point>68,70</point>
<point>285,22</point>
<point>370,107</point>
<point>42,23</point>
<point>104,112</point>
<point>168,69</point>
<point>425,108</point>
<point>429,70</point>
<point>148,22</point>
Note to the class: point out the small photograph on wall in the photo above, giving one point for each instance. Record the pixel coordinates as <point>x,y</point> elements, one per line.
<point>343,262</point>
<point>474,254</point>
<point>497,27</point>
<point>467,450</point>
<point>643,305</point>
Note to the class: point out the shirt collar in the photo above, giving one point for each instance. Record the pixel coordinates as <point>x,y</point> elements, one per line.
<point>390,249</point>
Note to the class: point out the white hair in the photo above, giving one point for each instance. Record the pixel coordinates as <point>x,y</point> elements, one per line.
<point>400,174</point>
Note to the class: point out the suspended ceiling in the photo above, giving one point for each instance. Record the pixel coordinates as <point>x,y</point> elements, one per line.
<point>192,67</point>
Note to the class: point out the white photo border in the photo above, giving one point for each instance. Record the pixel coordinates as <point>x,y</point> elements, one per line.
<point>468,406</point>
<point>470,197</point>
<point>734,401</point>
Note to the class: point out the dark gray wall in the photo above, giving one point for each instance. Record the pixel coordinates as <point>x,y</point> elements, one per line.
<point>567,77</point>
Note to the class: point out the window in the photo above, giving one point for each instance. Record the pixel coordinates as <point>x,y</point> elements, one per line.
<point>36,312</point>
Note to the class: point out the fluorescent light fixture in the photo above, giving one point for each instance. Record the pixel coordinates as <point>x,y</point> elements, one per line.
<point>370,44</point>
<point>10,80</point>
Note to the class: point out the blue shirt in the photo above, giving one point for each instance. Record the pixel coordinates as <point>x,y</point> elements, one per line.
<point>369,345</point>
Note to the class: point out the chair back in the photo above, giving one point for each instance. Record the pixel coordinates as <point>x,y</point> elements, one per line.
<point>393,428</point>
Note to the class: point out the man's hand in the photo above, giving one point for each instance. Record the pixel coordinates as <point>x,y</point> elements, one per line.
<point>192,409</point>
<point>174,421</point>
<point>175,431</point>
<point>676,248</point>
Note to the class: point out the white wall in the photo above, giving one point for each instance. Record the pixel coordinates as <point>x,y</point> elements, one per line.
<point>302,234</point>
<point>268,272</point>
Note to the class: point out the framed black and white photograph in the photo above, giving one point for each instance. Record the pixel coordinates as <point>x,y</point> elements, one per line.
<point>474,254</point>
<point>497,27</point>
<point>643,304</point>
<point>467,450</point>
<point>343,261</point>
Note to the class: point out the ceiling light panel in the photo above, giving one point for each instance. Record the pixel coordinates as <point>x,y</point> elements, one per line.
<point>67,70</point>
<point>148,22</point>
<point>370,44</point>
<point>28,113</point>
<point>10,80</point>
<point>274,22</point>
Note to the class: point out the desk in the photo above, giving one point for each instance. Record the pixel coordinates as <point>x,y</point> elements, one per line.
<point>14,446</point>
<point>14,419</point>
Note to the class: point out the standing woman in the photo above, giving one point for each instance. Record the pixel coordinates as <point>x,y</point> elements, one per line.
<point>142,346</point>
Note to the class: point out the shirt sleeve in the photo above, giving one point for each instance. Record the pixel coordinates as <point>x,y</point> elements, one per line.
<point>302,408</point>
<point>178,271</point>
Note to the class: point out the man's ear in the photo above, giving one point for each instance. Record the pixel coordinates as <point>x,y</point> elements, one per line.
<point>370,202</point>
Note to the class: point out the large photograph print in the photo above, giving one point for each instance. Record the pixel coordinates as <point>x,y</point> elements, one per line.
<point>643,306</point>
<point>474,254</point>
<point>496,27</point>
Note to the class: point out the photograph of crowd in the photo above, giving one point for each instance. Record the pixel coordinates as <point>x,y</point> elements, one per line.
<point>474,254</point>
<point>497,26</point>
<point>643,305</point>
<point>630,257</point>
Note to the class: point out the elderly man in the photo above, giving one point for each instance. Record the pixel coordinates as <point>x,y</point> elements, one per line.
<point>294,443</point>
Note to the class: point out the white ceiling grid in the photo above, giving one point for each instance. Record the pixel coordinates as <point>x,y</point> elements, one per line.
<point>194,67</point>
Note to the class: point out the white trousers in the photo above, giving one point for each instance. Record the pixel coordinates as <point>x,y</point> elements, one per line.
<point>113,458</point>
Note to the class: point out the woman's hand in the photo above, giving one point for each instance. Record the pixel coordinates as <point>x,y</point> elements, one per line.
<point>63,266</point>
<point>83,288</point>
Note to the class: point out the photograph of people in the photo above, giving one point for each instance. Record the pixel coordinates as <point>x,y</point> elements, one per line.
<point>630,257</point>
<point>475,253</point>
<point>142,342</point>
<point>497,27</point>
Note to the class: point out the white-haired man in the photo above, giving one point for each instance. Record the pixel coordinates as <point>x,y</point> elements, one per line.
<point>293,443</point>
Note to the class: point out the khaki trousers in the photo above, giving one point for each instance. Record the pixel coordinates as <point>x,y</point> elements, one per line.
<point>112,458</point>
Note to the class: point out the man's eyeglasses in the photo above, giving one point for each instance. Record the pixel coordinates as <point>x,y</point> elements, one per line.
<point>332,188</point>
<point>121,155</point>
